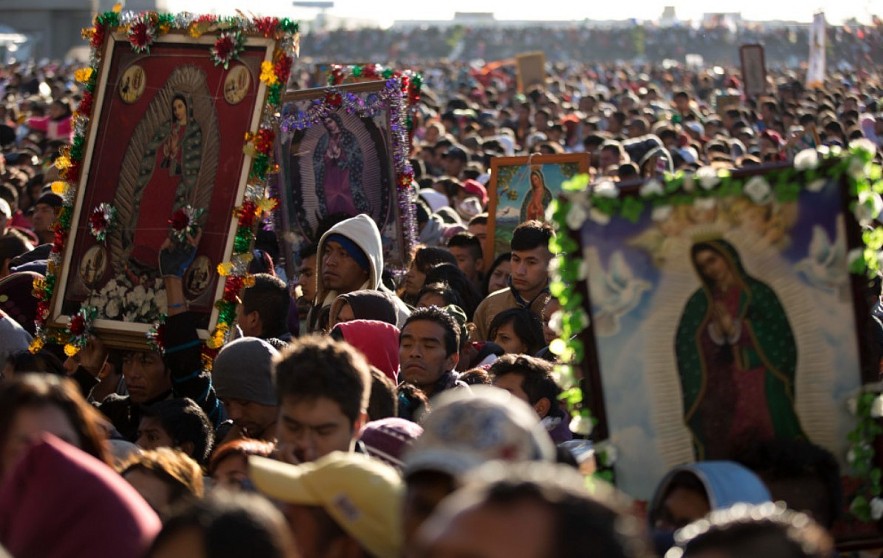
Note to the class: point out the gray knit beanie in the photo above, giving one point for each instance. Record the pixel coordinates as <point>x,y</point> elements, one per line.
<point>244,370</point>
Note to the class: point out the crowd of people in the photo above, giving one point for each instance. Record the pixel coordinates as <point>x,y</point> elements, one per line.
<point>412,418</point>
<point>716,41</point>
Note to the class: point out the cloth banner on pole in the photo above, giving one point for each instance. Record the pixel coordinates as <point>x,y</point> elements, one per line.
<point>815,75</point>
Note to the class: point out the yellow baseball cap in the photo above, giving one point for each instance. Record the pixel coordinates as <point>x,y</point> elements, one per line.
<point>363,495</point>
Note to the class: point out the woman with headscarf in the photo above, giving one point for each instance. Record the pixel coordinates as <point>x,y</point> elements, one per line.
<point>736,357</point>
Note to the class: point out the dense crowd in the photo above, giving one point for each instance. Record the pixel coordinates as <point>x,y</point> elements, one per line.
<point>857,45</point>
<point>418,418</point>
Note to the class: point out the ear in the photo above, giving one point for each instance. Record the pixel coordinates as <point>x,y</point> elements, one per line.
<point>360,422</point>
<point>452,361</point>
<point>186,447</point>
<point>542,407</point>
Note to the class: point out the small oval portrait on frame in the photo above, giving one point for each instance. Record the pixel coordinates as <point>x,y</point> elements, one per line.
<point>132,84</point>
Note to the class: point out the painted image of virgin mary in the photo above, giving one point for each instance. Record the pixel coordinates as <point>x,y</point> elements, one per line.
<point>736,357</point>
<point>538,197</point>
<point>167,175</point>
<point>337,164</point>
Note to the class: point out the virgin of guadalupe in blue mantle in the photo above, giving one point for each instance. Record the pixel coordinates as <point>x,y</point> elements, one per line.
<point>736,357</point>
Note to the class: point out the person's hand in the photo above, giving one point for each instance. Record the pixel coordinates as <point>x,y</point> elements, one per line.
<point>723,319</point>
<point>175,257</point>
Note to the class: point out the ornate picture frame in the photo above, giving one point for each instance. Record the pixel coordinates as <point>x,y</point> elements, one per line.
<point>173,136</point>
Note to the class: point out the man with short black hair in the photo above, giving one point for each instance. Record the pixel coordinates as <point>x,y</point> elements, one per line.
<point>46,211</point>
<point>531,379</point>
<point>429,350</point>
<point>466,248</point>
<point>529,281</point>
<point>263,310</point>
<point>323,388</point>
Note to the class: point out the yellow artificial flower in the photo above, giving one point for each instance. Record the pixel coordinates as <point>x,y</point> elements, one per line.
<point>63,163</point>
<point>118,7</point>
<point>268,73</point>
<point>83,74</point>
<point>267,204</point>
<point>36,345</point>
<point>70,350</point>
<point>59,187</point>
<point>225,269</point>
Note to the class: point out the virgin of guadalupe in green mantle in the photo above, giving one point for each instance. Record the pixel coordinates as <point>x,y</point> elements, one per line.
<point>736,357</point>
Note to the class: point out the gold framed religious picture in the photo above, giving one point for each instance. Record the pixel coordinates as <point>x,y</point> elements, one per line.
<point>342,151</point>
<point>521,188</point>
<point>159,154</point>
<point>722,316</point>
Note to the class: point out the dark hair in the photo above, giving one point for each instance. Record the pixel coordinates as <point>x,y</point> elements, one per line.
<point>383,402</point>
<point>453,276</point>
<point>317,366</point>
<point>526,324</point>
<point>504,257</point>
<point>425,257</point>
<point>184,421</point>
<point>539,382</point>
<point>241,446</point>
<point>269,297</point>
<point>480,219</point>
<point>443,290</point>
<point>41,362</point>
<point>763,531</point>
<point>12,245</point>
<point>230,525</point>
<point>442,318</point>
<point>686,480</point>
<point>789,460</point>
<point>530,235</point>
<point>583,523</point>
<point>476,377</point>
<point>307,250</point>
<point>37,391</point>
<point>468,241</point>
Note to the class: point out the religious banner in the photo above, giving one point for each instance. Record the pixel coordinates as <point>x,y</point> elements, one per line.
<point>815,73</point>
<point>173,142</point>
<point>521,188</point>
<point>342,152</point>
<point>715,311</point>
<point>753,69</point>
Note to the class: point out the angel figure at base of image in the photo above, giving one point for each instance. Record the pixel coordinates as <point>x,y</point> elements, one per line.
<point>538,197</point>
<point>824,267</point>
<point>338,164</point>
<point>167,175</point>
<point>615,291</point>
<point>736,357</point>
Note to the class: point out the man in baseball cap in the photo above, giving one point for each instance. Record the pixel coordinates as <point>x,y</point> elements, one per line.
<point>344,504</point>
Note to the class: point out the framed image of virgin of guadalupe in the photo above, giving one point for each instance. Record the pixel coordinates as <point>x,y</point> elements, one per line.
<point>342,152</point>
<point>159,153</point>
<point>722,315</point>
<point>521,188</point>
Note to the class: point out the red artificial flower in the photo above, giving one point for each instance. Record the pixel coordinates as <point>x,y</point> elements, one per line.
<point>206,18</point>
<point>139,35</point>
<point>266,25</point>
<point>283,68</point>
<point>406,82</point>
<point>97,220</point>
<point>180,220</point>
<point>42,310</point>
<point>247,214</point>
<point>85,107</point>
<point>97,37</point>
<point>224,47</point>
<point>334,99</point>
<point>78,325</point>
<point>232,287</point>
<point>58,242</point>
<point>263,141</point>
<point>370,71</point>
